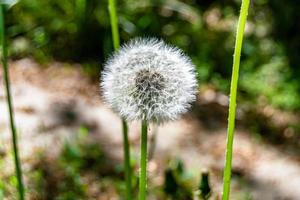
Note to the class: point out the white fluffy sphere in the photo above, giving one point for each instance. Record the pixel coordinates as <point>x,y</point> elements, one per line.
<point>147,79</point>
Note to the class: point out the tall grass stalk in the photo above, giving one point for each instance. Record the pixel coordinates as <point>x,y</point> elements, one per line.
<point>233,92</point>
<point>114,23</point>
<point>9,102</point>
<point>116,43</point>
<point>143,161</point>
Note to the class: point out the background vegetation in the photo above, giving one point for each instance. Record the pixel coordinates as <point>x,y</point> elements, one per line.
<point>79,31</point>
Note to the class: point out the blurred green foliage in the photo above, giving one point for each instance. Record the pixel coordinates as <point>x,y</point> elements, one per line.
<point>83,170</point>
<point>79,31</point>
<point>80,166</point>
<point>177,184</point>
<point>8,181</point>
<point>204,186</point>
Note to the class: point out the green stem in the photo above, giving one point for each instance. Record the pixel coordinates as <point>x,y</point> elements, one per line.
<point>10,107</point>
<point>114,23</point>
<point>127,160</point>
<point>143,162</point>
<point>233,92</point>
<point>116,43</point>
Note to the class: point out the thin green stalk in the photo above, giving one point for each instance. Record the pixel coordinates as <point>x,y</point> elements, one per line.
<point>10,107</point>
<point>233,92</point>
<point>143,162</point>
<point>114,23</point>
<point>127,160</point>
<point>116,43</point>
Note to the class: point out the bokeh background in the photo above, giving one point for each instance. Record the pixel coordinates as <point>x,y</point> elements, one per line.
<point>71,142</point>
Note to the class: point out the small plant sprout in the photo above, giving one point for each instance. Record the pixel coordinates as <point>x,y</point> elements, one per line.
<point>150,81</point>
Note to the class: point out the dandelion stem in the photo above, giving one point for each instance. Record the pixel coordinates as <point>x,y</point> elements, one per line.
<point>143,163</point>
<point>116,43</point>
<point>9,102</point>
<point>127,160</point>
<point>233,93</point>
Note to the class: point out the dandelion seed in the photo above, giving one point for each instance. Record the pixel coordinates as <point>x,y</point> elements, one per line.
<point>149,80</point>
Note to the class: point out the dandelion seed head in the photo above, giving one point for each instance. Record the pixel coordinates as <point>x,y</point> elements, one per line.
<point>147,79</point>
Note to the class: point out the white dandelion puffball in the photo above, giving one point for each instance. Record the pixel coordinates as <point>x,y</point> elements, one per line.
<point>149,80</point>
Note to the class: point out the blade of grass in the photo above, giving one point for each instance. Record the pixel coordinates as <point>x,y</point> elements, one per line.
<point>116,44</point>
<point>233,93</point>
<point>9,102</point>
